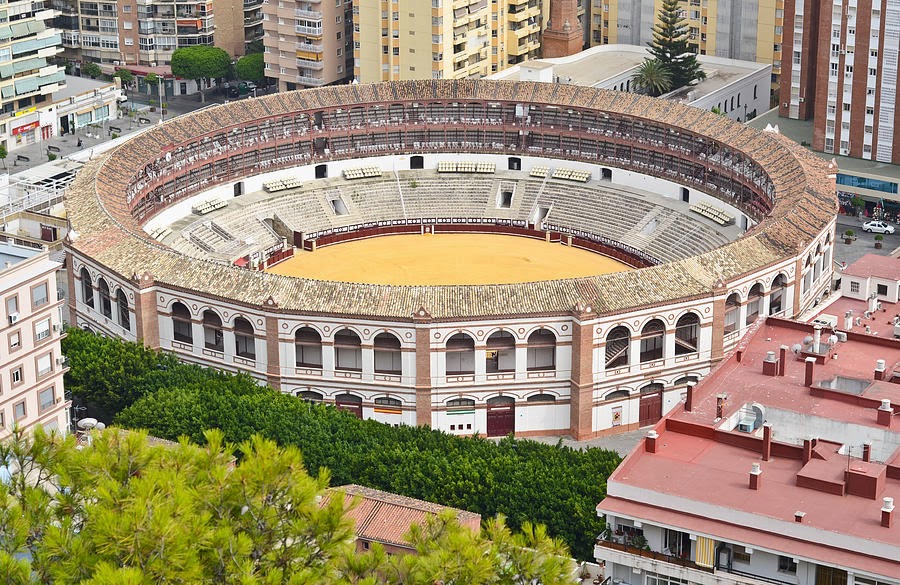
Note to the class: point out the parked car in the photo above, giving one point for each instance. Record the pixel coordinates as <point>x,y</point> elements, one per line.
<point>878,226</point>
<point>233,92</point>
<point>247,85</point>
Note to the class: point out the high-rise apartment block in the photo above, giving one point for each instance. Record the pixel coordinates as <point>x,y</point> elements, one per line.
<point>446,39</point>
<point>31,363</point>
<point>748,30</point>
<point>843,74</point>
<point>26,78</point>
<point>308,43</point>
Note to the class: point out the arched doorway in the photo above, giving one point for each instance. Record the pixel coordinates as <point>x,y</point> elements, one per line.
<point>501,416</point>
<point>350,403</point>
<point>651,404</point>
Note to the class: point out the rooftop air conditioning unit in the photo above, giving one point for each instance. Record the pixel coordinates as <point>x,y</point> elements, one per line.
<point>13,317</point>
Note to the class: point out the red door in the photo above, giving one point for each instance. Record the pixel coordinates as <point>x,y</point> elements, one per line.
<point>651,408</point>
<point>501,416</point>
<point>350,403</point>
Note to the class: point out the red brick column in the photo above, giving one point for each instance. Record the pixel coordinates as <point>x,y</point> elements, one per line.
<point>422,320</point>
<point>273,353</point>
<point>146,317</point>
<point>581,383</point>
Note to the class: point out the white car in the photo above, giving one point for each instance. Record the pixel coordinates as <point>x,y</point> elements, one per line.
<point>879,227</point>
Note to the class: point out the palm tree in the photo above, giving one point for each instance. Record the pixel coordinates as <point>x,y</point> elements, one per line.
<point>652,78</point>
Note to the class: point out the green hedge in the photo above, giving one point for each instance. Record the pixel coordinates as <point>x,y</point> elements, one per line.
<point>548,484</point>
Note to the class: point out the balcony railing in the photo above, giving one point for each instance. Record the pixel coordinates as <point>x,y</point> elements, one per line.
<point>308,64</point>
<point>310,47</point>
<point>308,14</point>
<point>310,81</point>
<point>649,554</point>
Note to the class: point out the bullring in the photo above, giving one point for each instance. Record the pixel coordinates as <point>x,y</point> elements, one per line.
<point>724,225</point>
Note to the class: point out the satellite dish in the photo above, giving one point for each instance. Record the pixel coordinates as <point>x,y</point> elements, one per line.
<point>100,426</point>
<point>807,340</point>
<point>796,348</point>
<point>86,423</point>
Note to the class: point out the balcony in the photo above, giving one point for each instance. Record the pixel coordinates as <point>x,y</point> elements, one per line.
<point>315,48</point>
<point>310,81</point>
<point>308,30</point>
<point>249,4</point>
<point>252,20</point>
<point>308,64</point>
<point>308,14</point>
<point>623,554</point>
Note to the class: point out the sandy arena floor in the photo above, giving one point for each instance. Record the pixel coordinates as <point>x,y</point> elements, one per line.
<point>446,259</point>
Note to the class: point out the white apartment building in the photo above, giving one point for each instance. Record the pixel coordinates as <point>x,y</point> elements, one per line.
<point>31,361</point>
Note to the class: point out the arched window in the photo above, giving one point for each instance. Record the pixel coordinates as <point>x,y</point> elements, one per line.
<point>244,339</point>
<point>387,354</point>
<point>685,380</point>
<point>310,396</point>
<point>501,352</point>
<point>460,354</point>
<point>124,315</point>
<point>347,351</point>
<point>616,394</point>
<point>541,398</point>
<point>460,403</point>
<point>105,302</point>
<point>776,295</point>
<point>652,337</point>
<point>388,401</point>
<point>754,300</point>
<point>308,348</point>
<point>732,311</point>
<point>541,350</point>
<point>87,288</point>
<point>212,331</point>
<point>617,344</point>
<point>687,333</point>
<point>181,323</point>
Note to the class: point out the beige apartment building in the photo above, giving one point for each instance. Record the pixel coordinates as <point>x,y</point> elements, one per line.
<point>31,362</point>
<point>468,39</point>
<point>746,30</point>
<point>308,43</point>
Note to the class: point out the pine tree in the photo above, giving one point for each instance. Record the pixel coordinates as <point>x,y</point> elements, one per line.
<point>670,46</point>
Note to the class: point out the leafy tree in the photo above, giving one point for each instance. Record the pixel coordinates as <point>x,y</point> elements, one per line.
<point>524,480</point>
<point>151,79</point>
<point>199,63</point>
<point>256,46</point>
<point>652,78</point>
<point>124,511</point>
<point>92,70</point>
<point>670,46</point>
<point>251,67</point>
<point>125,75</point>
<point>3,153</point>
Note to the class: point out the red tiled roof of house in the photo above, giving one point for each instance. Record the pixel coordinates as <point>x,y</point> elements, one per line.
<point>875,265</point>
<point>386,517</point>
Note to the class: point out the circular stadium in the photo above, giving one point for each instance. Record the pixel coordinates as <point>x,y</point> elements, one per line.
<point>478,256</point>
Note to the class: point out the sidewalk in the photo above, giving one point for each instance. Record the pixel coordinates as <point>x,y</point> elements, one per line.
<point>91,137</point>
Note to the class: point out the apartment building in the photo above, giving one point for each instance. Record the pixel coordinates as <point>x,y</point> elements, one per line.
<point>782,466</point>
<point>308,43</point>
<point>749,30</point>
<point>239,26</point>
<point>450,39</point>
<point>31,362</point>
<point>26,78</point>
<point>147,32</point>
<point>843,74</point>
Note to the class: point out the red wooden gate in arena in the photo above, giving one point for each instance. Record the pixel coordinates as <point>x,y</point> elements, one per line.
<point>651,404</point>
<point>350,403</point>
<point>501,416</point>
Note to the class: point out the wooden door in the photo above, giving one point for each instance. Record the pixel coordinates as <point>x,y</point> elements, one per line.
<point>501,416</point>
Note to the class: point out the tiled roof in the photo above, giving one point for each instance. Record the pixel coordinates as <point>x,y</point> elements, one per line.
<point>386,517</point>
<point>805,205</point>
<point>874,265</point>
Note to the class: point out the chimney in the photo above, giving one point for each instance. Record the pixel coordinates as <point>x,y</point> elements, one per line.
<point>650,442</point>
<point>782,359</point>
<point>689,398</point>
<point>867,451</point>
<point>885,413</point>
<point>770,364</point>
<point>887,512</point>
<point>880,367</point>
<point>755,472</point>
<point>810,365</point>
<point>798,516</point>
<point>848,321</point>
<point>807,450</point>
<point>767,442</point>
<point>817,340</point>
